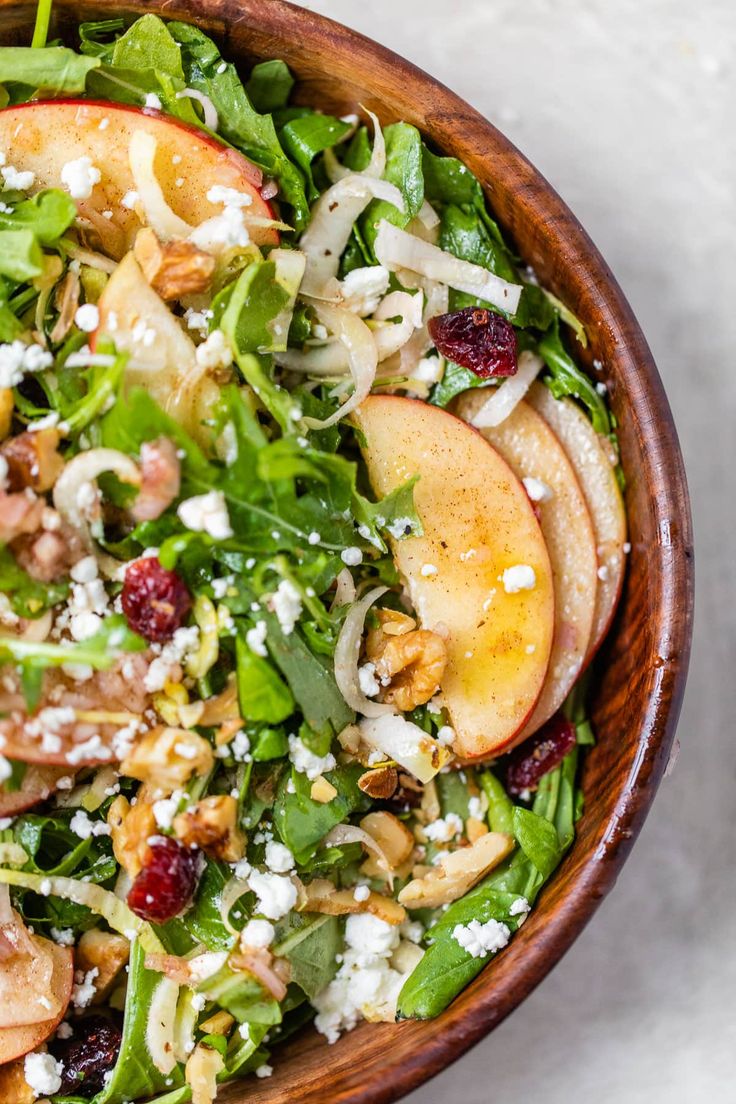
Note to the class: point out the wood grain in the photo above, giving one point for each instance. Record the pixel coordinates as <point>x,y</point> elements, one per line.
<point>642,667</point>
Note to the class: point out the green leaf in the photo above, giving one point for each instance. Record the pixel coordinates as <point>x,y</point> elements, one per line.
<point>311,947</point>
<point>202,922</point>
<point>47,215</point>
<point>20,255</point>
<point>99,651</point>
<point>269,86</point>
<point>500,805</point>
<point>28,597</point>
<point>147,44</point>
<point>403,169</point>
<point>538,840</point>
<point>303,823</point>
<point>54,69</point>
<point>305,137</point>
<point>135,1075</point>
<point>567,379</point>
<point>240,994</point>
<point>455,380</point>
<point>261,693</point>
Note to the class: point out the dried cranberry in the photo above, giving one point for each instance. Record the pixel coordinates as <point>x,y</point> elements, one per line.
<point>540,754</point>
<point>478,339</point>
<point>88,1055</point>
<point>166,883</point>
<point>155,600</point>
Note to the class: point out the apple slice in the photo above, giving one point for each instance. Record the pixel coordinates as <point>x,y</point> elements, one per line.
<point>592,465</point>
<point>44,136</point>
<point>162,355</point>
<point>478,522</point>
<point>15,1041</point>
<point>532,451</point>
<point>38,783</point>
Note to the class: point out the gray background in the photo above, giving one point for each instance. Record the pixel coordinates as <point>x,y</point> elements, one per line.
<point>624,107</point>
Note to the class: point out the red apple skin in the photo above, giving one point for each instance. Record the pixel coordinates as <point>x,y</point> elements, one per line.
<point>43,135</point>
<point>38,783</point>
<point>17,1041</point>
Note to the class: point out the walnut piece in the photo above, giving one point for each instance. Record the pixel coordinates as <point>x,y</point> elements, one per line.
<point>321,896</point>
<point>130,829</point>
<point>33,460</point>
<point>413,663</point>
<point>173,269</point>
<point>457,872</point>
<point>107,953</point>
<point>212,825</point>
<point>167,758</point>
<point>393,837</point>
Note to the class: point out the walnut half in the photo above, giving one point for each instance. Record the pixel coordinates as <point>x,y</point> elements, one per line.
<point>173,269</point>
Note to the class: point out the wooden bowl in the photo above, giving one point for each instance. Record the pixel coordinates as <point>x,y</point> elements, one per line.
<point>643,667</point>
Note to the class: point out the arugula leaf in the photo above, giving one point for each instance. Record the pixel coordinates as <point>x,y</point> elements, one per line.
<point>135,1075</point>
<point>99,651</point>
<point>47,215</point>
<point>240,123</point>
<point>28,597</point>
<point>261,693</point>
<point>20,255</point>
<point>301,822</point>
<point>567,379</point>
<point>455,380</point>
<point>202,922</point>
<point>54,69</point>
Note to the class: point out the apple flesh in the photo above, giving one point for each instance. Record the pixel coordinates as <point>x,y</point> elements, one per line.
<point>597,477</point>
<point>38,783</point>
<point>531,450</point>
<point>17,1040</point>
<point>478,522</point>
<point>43,136</point>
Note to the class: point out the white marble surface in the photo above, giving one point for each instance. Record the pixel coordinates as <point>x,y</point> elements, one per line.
<point>627,108</point>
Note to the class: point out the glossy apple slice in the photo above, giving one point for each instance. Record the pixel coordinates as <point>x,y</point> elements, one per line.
<point>533,452</point>
<point>592,465</point>
<point>478,522</point>
<point>44,136</point>
<point>162,355</point>
<point>38,783</point>
<point>15,1041</point>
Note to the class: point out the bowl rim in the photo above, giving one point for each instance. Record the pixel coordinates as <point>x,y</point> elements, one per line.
<point>461,1027</point>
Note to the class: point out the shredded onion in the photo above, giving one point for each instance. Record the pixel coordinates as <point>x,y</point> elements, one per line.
<point>347,656</point>
<point>406,743</point>
<point>141,154</point>
<point>362,358</point>
<point>84,468</point>
<point>350,833</point>
<point>99,900</point>
<point>505,398</point>
<point>93,260</point>
<point>396,249</point>
<point>160,1025</point>
<point>344,589</point>
<point>211,119</point>
<point>231,892</point>
<point>186,1021</point>
<point>428,216</point>
<point>437,302</point>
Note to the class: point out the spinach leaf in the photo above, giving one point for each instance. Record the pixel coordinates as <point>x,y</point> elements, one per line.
<point>242,995</point>
<point>305,137</point>
<point>538,840</point>
<point>311,946</point>
<point>202,922</point>
<point>455,380</point>
<point>404,169</point>
<point>20,255</point>
<point>301,822</point>
<point>269,85</point>
<point>135,1075</point>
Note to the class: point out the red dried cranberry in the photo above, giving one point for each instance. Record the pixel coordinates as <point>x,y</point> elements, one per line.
<point>155,601</point>
<point>166,883</point>
<point>478,339</point>
<point>87,1056</point>
<point>540,754</point>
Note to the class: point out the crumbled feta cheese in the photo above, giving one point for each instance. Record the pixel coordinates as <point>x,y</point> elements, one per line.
<point>206,513</point>
<point>276,893</point>
<point>225,231</point>
<point>255,638</point>
<point>215,352</point>
<point>87,317</point>
<point>129,200</point>
<point>63,936</point>
<point>16,359</point>
<point>428,569</point>
<point>286,603</point>
<point>444,830</point>
<point>306,762</point>
<point>278,857</point>
<point>166,808</point>
<point>400,527</point>
<point>477,807</point>
<point>363,288</point>
<point>198,1002</point>
<point>84,570</point>
<point>228,197</point>
<point>152,101</point>
<point>445,735</point>
<point>205,965</point>
<point>367,680</point>
<point>64,1030</point>
<point>264,1071</point>
<point>6,769</point>
<point>84,987</point>
<point>42,1073</point>
<point>520,907</point>
<point>351,556</point>
<point>519,577</point>
<point>80,177</point>
<point>314,537</point>
<point>257,933</point>
<point>81,825</point>
<point>537,490</point>
<point>361,892</point>
<point>479,939</point>
<point>14,178</point>
<point>428,371</point>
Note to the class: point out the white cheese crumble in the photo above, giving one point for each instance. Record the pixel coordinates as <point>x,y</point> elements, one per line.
<point>445,734</point>
<point>80,177</point>
<point>42,1073</point>
<point>537,489</point>
<point>17,358</point>
<point>286,603</point>
<point>130,199</point>
<point>206,513</point>
<point>87,317</point>
<point>264,1071</point>
<point>257,933</point>
<point>152,101</point>
<point>256,638</point>
<point>351,556</point>
<point>82,826</point>
<point>519,577</point>
<point>444,829</point>
<point>14,178</point>
<point>520,907</point>
<point>279,858</point>
<point>84,987</point>
<point>166,808</point>
<point>306,762</point>
<point>276,893</point>
<point>428,569</point>
<point>215,352</point>
<point>367,680</point>
<point>363,288</point>
<point>361,892</point>
<point>479,939</point>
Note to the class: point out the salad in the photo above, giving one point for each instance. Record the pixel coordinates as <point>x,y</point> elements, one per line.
<point>310,526</point>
